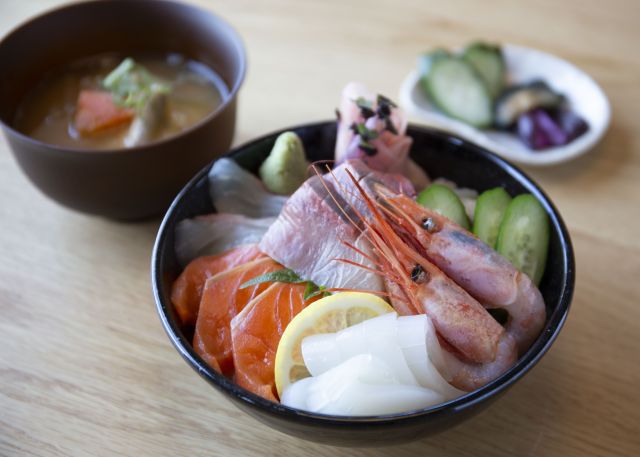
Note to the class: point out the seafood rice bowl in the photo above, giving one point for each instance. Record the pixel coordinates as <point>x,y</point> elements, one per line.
<point>362,282</point>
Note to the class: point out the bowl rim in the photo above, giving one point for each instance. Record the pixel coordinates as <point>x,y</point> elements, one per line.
<point>236,42</point>
<point>542,344</point>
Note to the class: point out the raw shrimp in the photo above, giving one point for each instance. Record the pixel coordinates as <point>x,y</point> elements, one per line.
<point>483,349</point>
<point>486,275</point>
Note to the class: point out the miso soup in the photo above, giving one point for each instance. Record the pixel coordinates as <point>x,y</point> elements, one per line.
<point>64,99</point>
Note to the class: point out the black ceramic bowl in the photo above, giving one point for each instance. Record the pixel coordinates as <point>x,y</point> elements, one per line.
<point>442,155</point>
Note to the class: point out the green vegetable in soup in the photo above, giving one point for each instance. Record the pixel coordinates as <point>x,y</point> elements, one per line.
<point>133,86</point>
<point>286,167</point>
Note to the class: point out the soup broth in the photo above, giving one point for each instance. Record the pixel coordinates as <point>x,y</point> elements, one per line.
<point>48,111</point>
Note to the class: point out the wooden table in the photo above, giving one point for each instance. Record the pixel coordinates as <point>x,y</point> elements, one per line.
<point>85,366</point>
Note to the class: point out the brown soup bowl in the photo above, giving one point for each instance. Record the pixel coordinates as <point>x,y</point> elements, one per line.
<point>126,183</point>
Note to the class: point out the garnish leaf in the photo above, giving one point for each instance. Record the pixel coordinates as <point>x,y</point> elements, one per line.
<point>290,277</point>
<point>362,102</point>
<point>312,290</point>
<point>365,133</point>
<point>366,107</point>
<point>285,275</point>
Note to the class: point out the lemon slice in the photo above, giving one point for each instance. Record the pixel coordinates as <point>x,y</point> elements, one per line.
<point>328,315</point>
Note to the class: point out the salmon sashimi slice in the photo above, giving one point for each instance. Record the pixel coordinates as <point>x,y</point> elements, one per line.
<point>96,111</point>
<point>222,299</point>
<point>256,332</point>
<point>186,291</point>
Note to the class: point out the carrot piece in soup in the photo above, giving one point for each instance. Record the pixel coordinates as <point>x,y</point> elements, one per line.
<point>186,291</point>
<point>96,111</point>
<point>222,300</point>
<point>256,332</point>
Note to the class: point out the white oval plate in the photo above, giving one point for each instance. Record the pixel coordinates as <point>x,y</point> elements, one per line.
<point>523,65</point>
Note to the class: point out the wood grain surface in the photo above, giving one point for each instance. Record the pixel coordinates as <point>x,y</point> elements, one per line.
<point>85,366</point>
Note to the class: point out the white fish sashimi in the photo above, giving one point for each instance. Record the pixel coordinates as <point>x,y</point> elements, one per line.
<point>217,233</point>
<point>309,235</point>
<point>316,226</point>
<point>362,385</point>
<point>235,190</point>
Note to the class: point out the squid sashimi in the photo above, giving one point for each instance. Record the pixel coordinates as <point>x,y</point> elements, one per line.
<point>256,332</point>
<point>363,385</point>
<point>216,233</point>
<point>373,129</point>
<point>186,291</point>
<point>222,300</point>
<point>397,361</point>
<point>408,344</point>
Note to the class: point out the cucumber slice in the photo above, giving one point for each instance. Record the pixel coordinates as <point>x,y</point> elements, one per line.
<point>524,236</point>
<point>426,61</point>
<point>444,201</point>
<point>457,89</point>
<point>490,208</point>
<point>488,62</point>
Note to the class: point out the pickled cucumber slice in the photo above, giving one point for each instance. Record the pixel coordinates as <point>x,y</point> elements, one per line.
<point>524,236</point>
<point>425,63</point>
<point>458,90</point>
<point>488,62</point>
<point>444,201</point>
<point>490,208</point>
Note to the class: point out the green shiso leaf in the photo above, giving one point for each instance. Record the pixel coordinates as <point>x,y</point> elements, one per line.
<point>290,277</point>
<point>285,275</point>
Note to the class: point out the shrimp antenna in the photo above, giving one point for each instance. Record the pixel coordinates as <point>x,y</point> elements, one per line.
<point>313,165</point>
<point>370,234</point>
<point>362,253</point>
<point>326,187</point>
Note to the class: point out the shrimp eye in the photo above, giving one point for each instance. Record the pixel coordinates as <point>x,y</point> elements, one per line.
<point>429,225</point>
<point>418,275</point>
